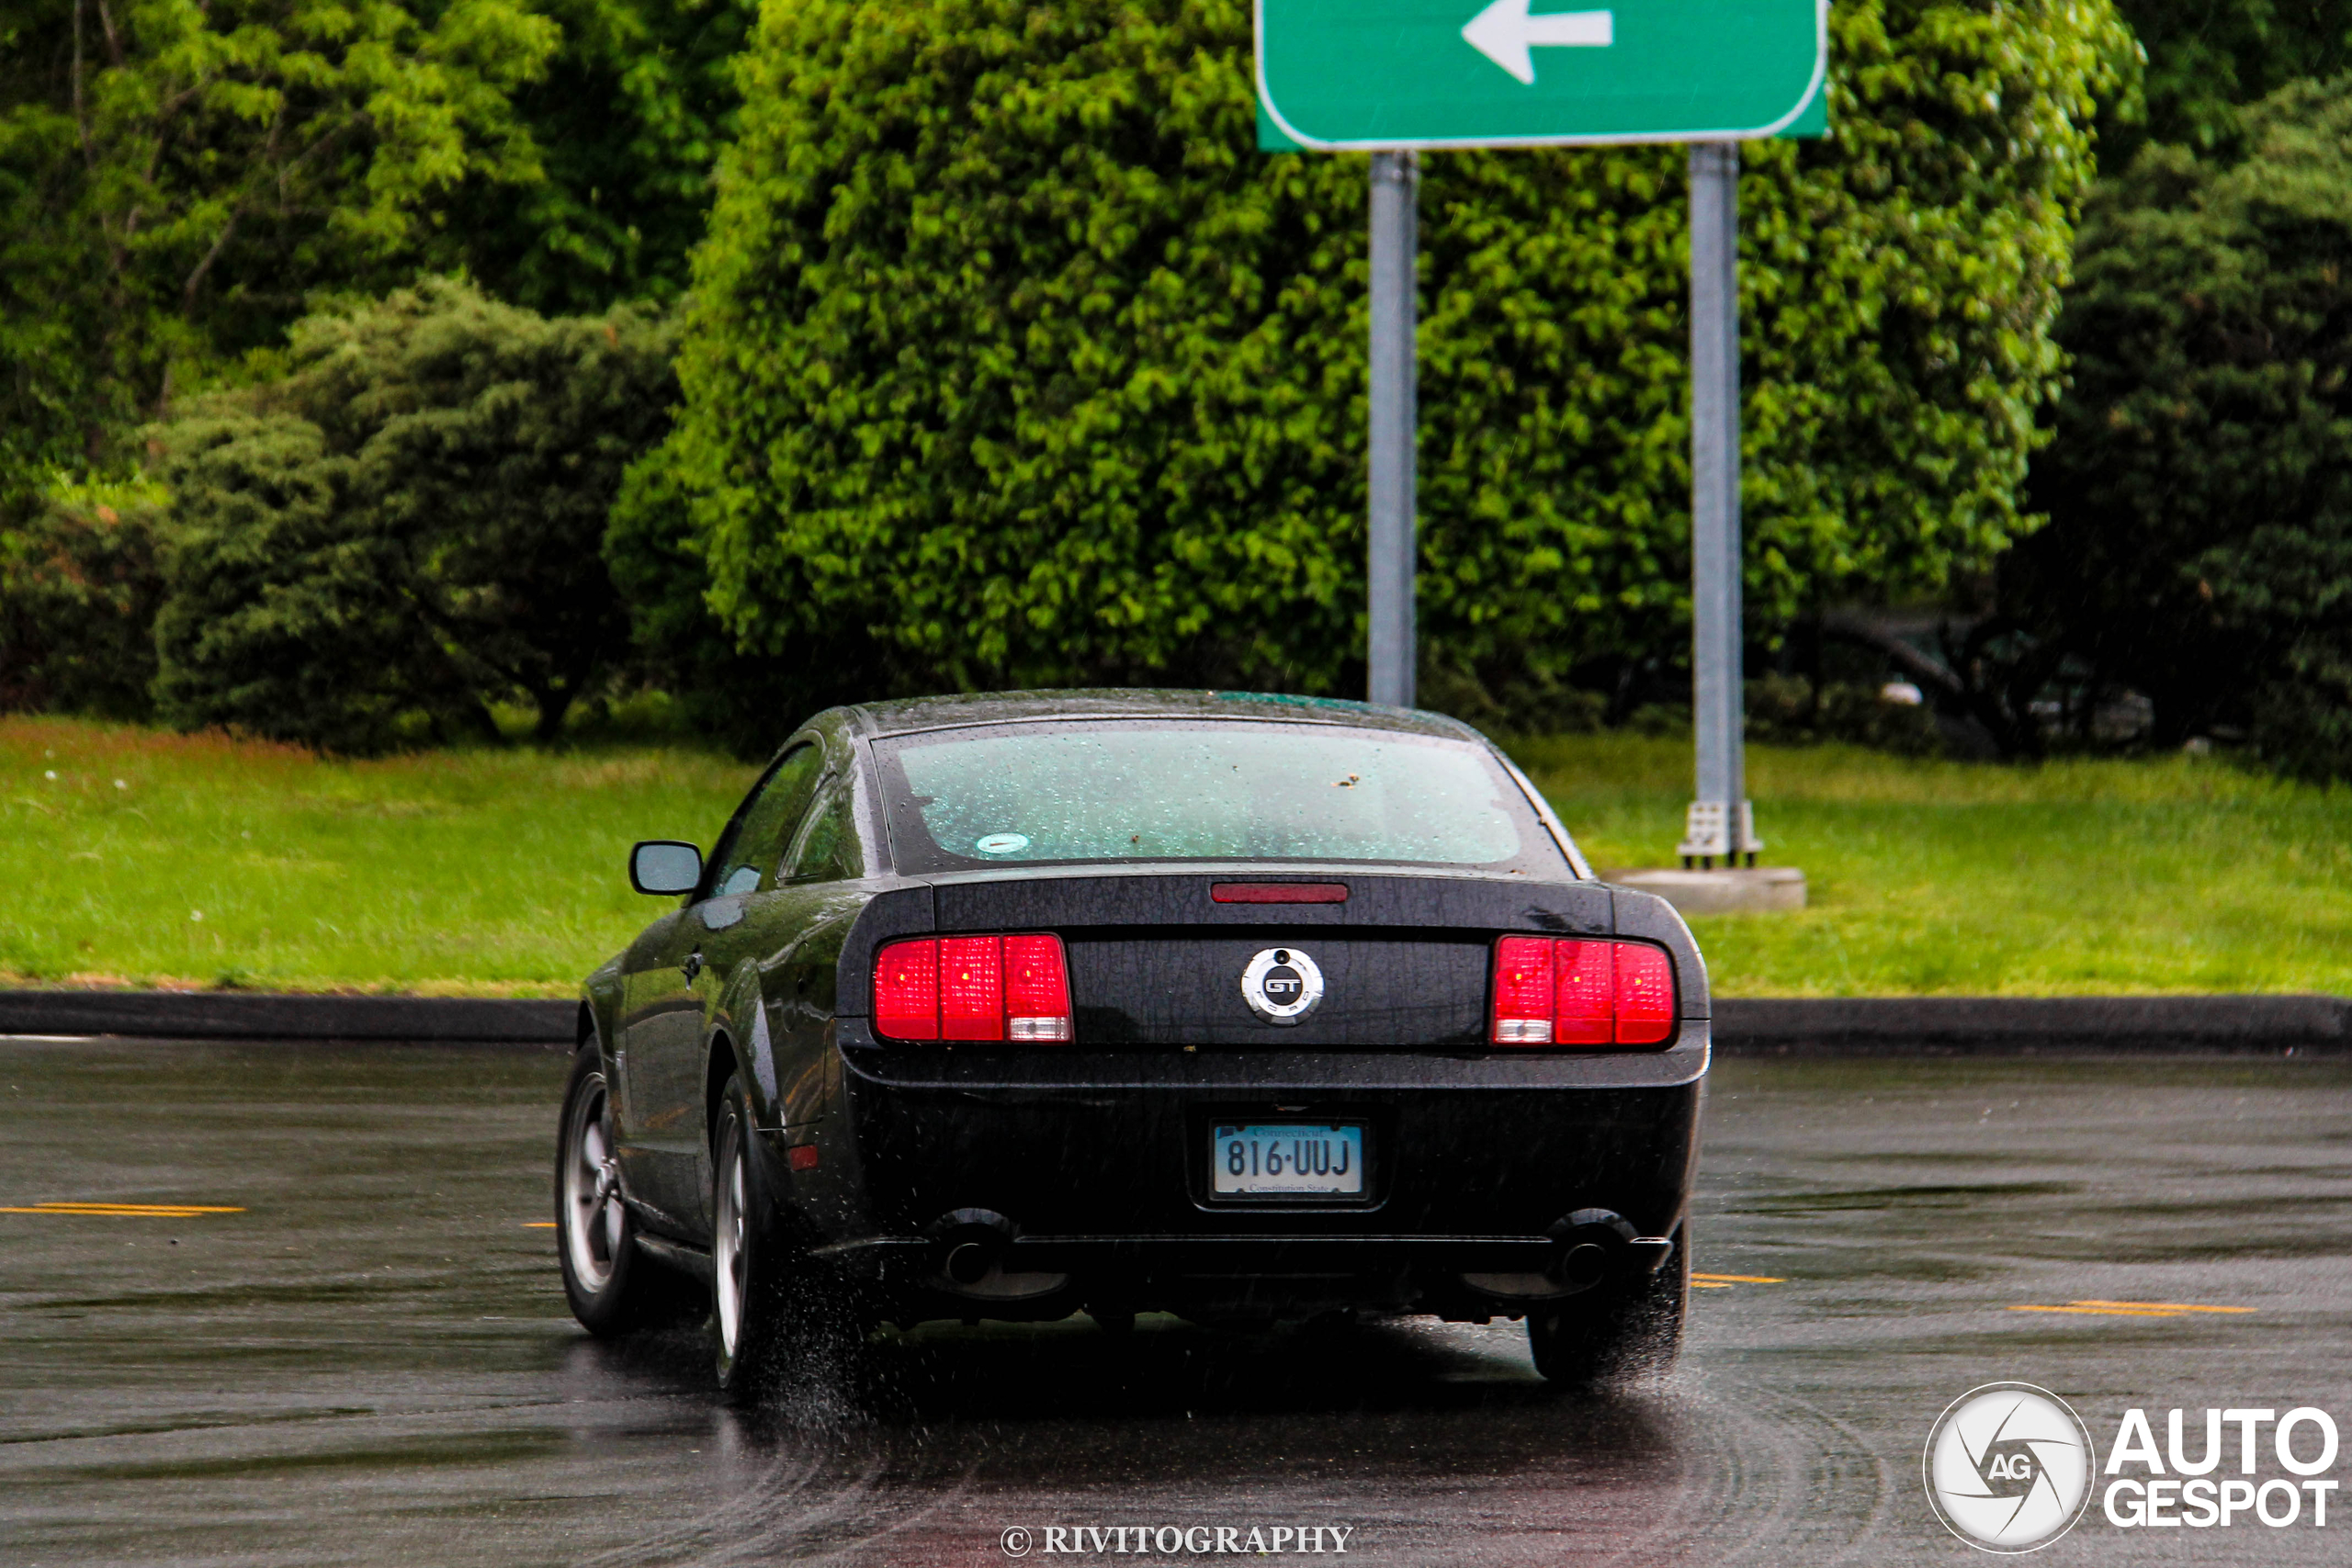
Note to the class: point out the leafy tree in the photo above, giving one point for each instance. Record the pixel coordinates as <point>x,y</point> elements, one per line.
<point>2199,483</point>
<point>629,120</point>
<point>179,182</point>
<point>2207,57</point>
<point>1010,361</point>
<point>286,617</point>
<point>409,523</point>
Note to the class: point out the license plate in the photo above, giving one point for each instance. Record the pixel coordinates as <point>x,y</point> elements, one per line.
<point>1285,1159</point>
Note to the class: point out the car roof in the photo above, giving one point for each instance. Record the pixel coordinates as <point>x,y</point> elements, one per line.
<point>910,714</point>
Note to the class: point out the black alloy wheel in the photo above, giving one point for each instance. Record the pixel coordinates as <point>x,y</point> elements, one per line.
<point>611,1287</point>
<point>765,1310</point>
<point>1618,1329</point>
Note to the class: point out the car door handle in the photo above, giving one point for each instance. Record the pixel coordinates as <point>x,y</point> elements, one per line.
<point>691,967</point>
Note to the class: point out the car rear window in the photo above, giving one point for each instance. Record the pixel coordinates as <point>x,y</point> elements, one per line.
<point>1204,790</point>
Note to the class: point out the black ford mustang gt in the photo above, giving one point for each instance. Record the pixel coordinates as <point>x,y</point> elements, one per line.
<point>1238,1006</point>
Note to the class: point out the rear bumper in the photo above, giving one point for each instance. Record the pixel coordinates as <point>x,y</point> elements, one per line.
<point>1211,1277</point>
<point>1249,1255</point>
<point>1092,1168</point>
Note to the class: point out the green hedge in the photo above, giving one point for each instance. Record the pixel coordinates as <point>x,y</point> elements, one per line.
<point>407,527</point>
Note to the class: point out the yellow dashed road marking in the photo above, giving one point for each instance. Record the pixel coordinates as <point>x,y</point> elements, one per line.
<point>1739,1279</point>
<point>125,1211</point>
<point>131,1209</point>
<point>2161,1306</point>
<point>2130,1309</point>
<point>538,1225</point>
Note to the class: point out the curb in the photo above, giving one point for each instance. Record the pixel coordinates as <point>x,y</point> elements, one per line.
<point>260,1015</point>
<point>1850,1026</point>
<point>1952,1026</point>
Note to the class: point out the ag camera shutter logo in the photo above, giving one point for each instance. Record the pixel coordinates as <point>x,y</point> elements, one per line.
<point>2008,1467</point>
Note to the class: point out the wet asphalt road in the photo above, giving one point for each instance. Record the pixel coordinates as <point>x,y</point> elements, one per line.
<point>371,1362</point>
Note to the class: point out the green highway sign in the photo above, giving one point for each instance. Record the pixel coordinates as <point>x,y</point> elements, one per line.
<point>1368,74</point>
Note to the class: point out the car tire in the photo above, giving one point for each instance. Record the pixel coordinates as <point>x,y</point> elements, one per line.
<point>611,1285</point>
<point>1615,1331</point>
<point>772,1323</point>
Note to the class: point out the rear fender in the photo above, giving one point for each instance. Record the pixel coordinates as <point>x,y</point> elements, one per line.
<point>895,912</point>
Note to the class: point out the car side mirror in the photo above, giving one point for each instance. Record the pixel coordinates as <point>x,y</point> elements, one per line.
<point>664,866</point>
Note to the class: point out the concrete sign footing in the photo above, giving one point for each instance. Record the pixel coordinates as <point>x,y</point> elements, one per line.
<point>1728,892</point>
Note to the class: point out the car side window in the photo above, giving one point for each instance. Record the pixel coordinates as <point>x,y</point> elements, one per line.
<point>754,842</point>
<point>828,849</point>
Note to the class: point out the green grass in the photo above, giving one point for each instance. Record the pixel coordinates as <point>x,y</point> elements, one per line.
<point>1928,877</point>
<point>449,873</point>
<point>500,872</point>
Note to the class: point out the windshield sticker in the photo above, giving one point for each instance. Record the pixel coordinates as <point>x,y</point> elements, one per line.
<point>1002,843</point>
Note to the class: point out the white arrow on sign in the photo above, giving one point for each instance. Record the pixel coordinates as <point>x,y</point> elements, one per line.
<point>1504,32</point>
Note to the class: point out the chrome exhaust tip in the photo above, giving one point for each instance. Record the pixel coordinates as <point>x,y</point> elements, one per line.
<point>969,1262</point>
<point>1596,1245</point>
<point>969,1250</point>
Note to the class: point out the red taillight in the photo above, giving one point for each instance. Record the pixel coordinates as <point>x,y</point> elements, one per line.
<point>1645,995</point>
<point>1523,991</point>
<point>1036,988</point>
<point>906,991</point>
<point>1554,991</point>
<point>973,988</point>
<point>1588,994</point>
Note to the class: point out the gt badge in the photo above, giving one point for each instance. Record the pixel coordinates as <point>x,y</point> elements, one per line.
<point>1282,985</point>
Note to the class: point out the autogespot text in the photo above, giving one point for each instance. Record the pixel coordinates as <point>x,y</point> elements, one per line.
<point>2173,1488</point>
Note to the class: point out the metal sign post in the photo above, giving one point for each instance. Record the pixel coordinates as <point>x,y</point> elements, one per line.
<point>1396,189</point>
<point>1720,822</point>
